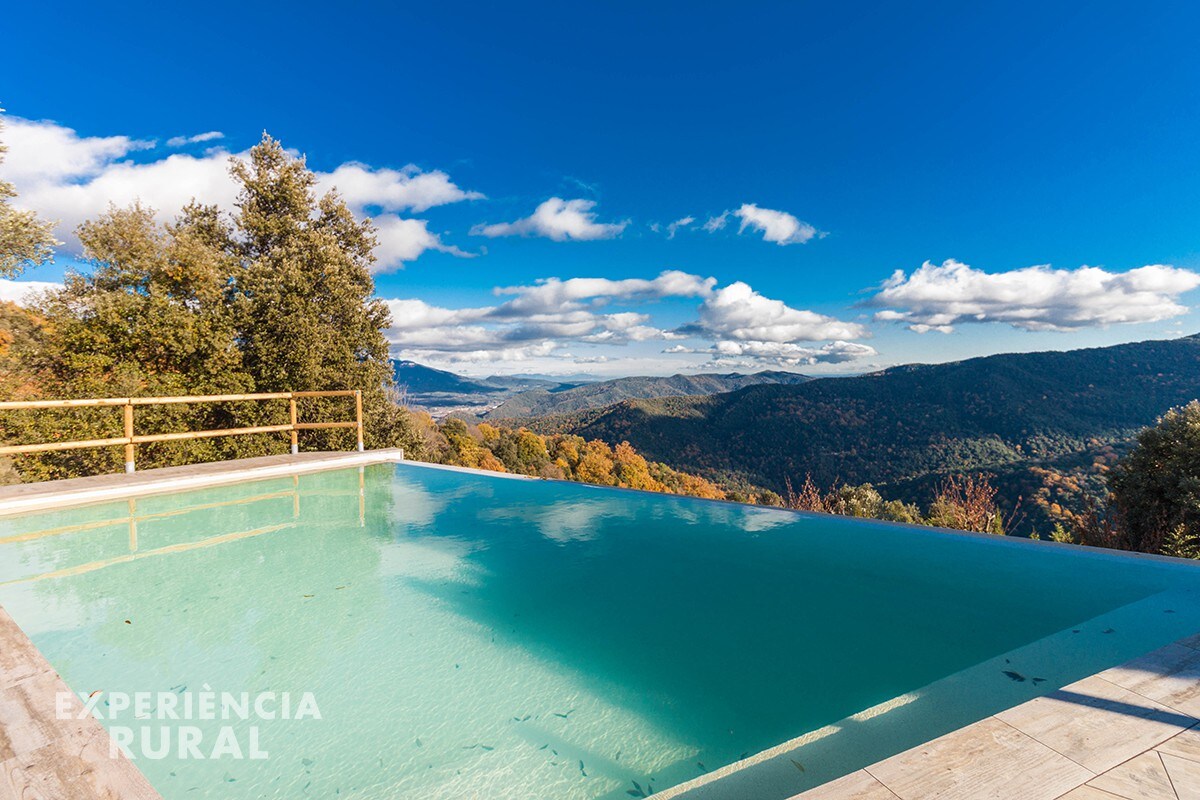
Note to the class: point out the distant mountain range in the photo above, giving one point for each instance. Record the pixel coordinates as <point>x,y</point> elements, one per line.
<point>513,398</point>
<point>543,401</point>
<point>903,425</point>
<point>419,379</point>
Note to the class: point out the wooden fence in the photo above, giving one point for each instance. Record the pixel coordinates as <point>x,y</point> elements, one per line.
<point>131,439</point>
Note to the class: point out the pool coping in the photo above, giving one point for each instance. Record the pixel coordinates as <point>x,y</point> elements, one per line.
<point>23,498</point>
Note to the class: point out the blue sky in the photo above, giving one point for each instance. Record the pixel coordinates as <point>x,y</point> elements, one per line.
<point>1000,138</point>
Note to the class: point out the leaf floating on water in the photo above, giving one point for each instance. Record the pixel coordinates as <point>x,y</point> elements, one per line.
<point>797,764</point>
<point>1014,676</point>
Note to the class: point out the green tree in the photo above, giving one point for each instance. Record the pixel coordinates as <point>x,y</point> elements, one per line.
<point>309,319</point>
<point>1156,488</point>
<point>25,240</point>
<point>856,501</point>
<point>278,297</point>
<point>151,317</point>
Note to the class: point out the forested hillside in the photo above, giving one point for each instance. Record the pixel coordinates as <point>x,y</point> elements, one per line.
<point>899,427</point>
<point>542,401</point>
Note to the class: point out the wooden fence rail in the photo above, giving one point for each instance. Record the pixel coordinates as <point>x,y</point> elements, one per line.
<point>130,439</point>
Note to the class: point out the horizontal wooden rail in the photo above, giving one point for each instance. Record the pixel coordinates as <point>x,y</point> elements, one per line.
<point>50,446</point>
<point>130,439</point>
<point>98,401</point>
<point>184,435</point>
<point>214,398</point>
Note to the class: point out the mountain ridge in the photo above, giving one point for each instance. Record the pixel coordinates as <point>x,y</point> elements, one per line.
<point>901,425</point>
<point>540,402</point>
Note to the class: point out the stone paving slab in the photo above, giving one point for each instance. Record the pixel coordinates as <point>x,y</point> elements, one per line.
<point>1129,733</point>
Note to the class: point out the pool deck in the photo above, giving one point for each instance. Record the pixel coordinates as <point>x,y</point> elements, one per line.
<point>1128,732</point>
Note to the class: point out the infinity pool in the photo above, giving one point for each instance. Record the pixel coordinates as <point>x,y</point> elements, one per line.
<point>475,636</point>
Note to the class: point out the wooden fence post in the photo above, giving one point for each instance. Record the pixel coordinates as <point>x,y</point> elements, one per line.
<point>129,467</point>
<point>358,416</point>
<point>295,432</point>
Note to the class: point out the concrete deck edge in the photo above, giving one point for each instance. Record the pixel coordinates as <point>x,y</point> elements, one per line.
<point>28,497</point>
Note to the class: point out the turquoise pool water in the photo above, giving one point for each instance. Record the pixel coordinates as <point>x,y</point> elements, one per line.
<point>466,636</point>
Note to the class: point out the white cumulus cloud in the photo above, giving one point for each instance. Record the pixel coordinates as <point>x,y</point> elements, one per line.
<point>408,189</point>
<point>557,294</point>
<point>559,220</point>
<point>538,320</point>
<point>738,312</point>
<point>745,328</point>
<point>71,178</point>
<point>402,240</point>
<point>779,227</point>
<point>937,297</point>
<point>543,319</point>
